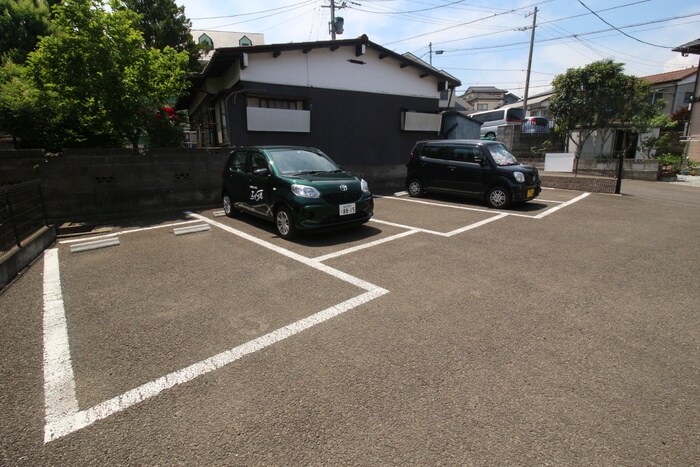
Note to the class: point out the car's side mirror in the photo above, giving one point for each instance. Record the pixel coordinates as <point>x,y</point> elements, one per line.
<point>261,172</point>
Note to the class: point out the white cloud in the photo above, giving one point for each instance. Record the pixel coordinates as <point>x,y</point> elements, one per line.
<point>679,62</point>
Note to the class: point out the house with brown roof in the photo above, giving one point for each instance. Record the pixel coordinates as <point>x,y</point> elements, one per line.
<point>693,132</point>
<point>675,88</point>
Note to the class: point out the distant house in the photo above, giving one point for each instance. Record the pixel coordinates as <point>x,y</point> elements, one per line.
<point>478,98</point>
<point>211,40</point>
<point>693,132</point>
<point>363,104</point>
<point>537,105</point>
<point>675,88</point>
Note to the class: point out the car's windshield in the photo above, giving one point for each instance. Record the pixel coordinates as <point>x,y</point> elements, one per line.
<point>501,156</point>
<point>300,162</point>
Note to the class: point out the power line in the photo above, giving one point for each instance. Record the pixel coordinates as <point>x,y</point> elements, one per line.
<point>599,11</point>
<point>539,24</point>
<point>253,13</point>
<point>287,9</point>
<point>436,7</point>
<point>622,32</point>
<point>468,22</point>
<point>576,35</point>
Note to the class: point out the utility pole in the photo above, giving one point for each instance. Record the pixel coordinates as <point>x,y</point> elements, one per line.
<point>333,19</point>
<point>529,61</point>
<point>437,52</point>
<point>336,24</point>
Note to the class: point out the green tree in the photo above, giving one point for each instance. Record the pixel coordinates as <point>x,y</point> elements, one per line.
<point>22,23</point>
<point>23,113</point>
<point>101,80</point>
<point>164,24</point>
<point>599,98</point>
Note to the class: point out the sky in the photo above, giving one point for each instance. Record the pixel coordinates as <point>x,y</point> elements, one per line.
<point>481,43</point>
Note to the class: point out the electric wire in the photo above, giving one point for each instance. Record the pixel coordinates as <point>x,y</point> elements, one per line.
<point>622,32</point>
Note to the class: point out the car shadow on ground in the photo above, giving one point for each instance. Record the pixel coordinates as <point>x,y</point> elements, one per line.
<point>324,238</point>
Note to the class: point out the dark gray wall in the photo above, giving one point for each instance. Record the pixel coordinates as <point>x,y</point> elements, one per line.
<point>356,129</point>
<point>99,183</point>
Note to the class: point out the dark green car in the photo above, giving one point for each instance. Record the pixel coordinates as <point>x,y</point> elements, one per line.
<point>298,188</point>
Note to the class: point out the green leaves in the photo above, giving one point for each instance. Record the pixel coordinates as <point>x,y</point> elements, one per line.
<point>22,23</point>
<point>99,77</point>
<point>599,96</point>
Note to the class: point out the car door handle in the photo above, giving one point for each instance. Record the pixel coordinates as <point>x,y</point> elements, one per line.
<point>451,167</point>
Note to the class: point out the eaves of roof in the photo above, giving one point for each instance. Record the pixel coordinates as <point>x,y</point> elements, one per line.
<point>222,58</point>
<point>692,47</point>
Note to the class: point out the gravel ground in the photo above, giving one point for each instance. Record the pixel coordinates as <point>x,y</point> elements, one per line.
<point>687,180</point>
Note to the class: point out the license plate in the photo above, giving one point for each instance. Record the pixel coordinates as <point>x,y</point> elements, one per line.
<point>346,209</point>
<point>530,192</point>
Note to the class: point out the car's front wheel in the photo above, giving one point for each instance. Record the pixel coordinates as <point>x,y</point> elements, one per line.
<point>284,220</point>
<point>498,197</point>
<point>415,187</point>
<point>229,209</point>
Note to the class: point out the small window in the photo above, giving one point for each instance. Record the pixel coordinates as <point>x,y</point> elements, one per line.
<point>205,41</point>
<point>432,151</point>
<point>245,41</point>
<point>237,162</point>
<point>438,152</point>
<point>268,103</point>
<point>257,162</point>
<point>468,154</point>
<point>482,107</point>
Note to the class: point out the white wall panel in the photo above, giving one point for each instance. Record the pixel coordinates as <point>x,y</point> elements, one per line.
<point>293,121</point>
<point>328,69</point>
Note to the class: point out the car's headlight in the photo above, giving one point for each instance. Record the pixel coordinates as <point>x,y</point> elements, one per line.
<point>519,177</point>
<point>364,186</point>
<point>305,191</point>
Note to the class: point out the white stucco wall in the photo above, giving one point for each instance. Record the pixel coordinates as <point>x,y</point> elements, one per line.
<point>323,68</point>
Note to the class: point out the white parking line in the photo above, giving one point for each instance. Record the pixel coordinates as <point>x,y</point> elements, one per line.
<point>59,383</point>
<point>550,201</point>
<point>62,414</point>
<point>452,206</point>
<point>561,206</point>
<point>466,208</point>
<point>365,245</point>
<point>408,227</point>
<point>444,234</point>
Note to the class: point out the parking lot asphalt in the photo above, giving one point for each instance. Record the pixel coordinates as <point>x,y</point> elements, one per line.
<point>563,331</point>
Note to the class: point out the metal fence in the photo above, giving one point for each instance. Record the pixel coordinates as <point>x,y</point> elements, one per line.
<point>21,213</point>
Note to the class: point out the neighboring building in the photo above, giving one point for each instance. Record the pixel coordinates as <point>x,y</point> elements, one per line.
<point>537,105</point>
<point>222,39</point>
<point>675,88</point>
<point>363,104</point>
<point>478,98</point>
<point>456,125</point>
<point>693,133</point>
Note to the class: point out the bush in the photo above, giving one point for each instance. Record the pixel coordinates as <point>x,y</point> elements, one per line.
<point>670,161</point>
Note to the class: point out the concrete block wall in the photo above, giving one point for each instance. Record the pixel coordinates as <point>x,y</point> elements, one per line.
<point>98,183</point>
<point>579,183</point>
